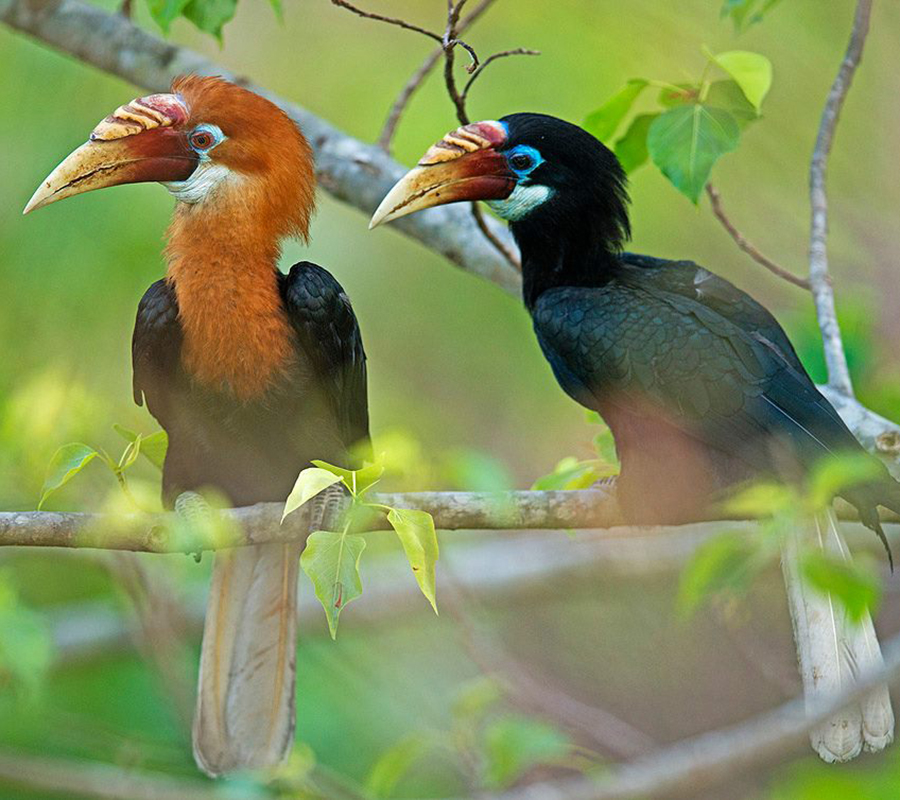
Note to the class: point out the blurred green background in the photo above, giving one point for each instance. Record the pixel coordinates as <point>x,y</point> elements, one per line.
<point>453,366</point>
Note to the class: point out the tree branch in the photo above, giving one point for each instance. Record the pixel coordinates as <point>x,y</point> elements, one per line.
<point>354,172</point>
<point>748,247</point>
<point>585,509</point>
<point>711,758</point>
<point>823,293</point>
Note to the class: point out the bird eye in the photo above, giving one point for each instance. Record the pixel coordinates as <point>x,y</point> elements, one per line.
<point>521,162</point>
<point>202,140</point>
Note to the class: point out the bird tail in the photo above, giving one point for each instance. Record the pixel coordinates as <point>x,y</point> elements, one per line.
<point>835,653</point>
<point>245,712</point>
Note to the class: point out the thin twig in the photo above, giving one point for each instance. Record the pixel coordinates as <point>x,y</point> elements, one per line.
<point>823,292</point>
<point>400,23</point>
<point>748,247</point>
<point>518,51</point>
<point>458,101</point>
<point>510,255</point>
<point>399,105</point>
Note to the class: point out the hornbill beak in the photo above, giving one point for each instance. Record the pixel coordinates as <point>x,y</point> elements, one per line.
<point>140,142</point>
<point>464,165</point>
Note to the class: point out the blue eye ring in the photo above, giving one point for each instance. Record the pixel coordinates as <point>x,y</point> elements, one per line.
<point>524,159</point>
<point>205,137</point>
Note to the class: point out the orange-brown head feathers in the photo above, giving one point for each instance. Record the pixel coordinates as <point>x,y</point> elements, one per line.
<point>268,161</point>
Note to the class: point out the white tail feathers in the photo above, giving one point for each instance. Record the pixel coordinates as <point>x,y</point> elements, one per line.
<point>245,696</point>
<point>834,653</point>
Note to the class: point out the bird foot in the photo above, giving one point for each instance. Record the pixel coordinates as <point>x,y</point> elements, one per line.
<point>328,508</point>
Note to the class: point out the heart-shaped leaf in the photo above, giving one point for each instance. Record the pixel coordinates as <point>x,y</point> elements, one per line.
<point>66,463</point>
<point>685,142</point>
<point>309,483</point>
<point>417,535</point>
<point>331,560</point>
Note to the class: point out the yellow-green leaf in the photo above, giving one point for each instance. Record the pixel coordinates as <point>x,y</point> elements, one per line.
<point>153,447</point>
<point>751,71</point>
<point>331,560</point>
<point>417,535</point>
<point>356,480</point>
<point>66,463</point>
<point>309,483</point>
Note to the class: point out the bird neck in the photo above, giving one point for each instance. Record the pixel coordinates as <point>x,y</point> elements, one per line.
<point>225,275</point>
<point>562,253</point>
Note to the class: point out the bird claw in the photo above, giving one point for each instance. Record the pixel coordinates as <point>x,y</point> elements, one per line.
<point>328,508</point>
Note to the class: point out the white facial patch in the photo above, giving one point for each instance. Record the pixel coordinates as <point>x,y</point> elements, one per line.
<point>521,202</point>
<point>203,180</point>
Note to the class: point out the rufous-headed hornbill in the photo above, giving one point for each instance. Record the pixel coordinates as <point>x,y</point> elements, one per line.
<point>252,372</point>
<point>698,382</point>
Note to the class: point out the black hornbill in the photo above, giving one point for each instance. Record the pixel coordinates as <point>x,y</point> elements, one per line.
<point>699,384</point>
<point>253,373</point>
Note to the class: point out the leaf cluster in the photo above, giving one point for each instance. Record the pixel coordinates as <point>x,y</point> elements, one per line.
<point>331,559</point>
<point>692,124</point>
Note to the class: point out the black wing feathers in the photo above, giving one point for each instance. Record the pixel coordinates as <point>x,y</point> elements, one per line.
<point>156,342</point>
<point>326,326</point>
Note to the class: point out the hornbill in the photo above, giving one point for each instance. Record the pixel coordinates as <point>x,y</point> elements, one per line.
<point>252,372</point>
<point>699,384</point>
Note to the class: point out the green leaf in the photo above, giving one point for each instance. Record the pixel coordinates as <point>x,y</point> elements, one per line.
<point>570,473</point>
<point>747,12</point>
<point>631,149</point>
<point>727,95</point>
<point>210,15</point>
<point>153,447</point>
<point>357,481</point>
<point>417,535</point>
<point>855,587</point>
<point>66,463</point>
<point>331,560</point>
<point>604,122</point>
<point>395,762</point>
<point>833,474</point>
<point>685,142</point>
<point>165,12</point>
<point>278,9</point>
<point>309,483</point>
<point>728,561</point>
<point>751,71</point>
<point>763,500</point>
<point>131,453</point>
<point>515,744</point>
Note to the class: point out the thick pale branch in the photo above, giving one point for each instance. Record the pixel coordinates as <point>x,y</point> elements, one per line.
<point>357,173</point>
<point>823,293</point>
<point>590,509</point>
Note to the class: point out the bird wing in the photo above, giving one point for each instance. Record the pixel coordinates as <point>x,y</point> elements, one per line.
<point>636,342</point>
<point>156,348</point>
<point>320,313</point>
<point>721,296</point>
